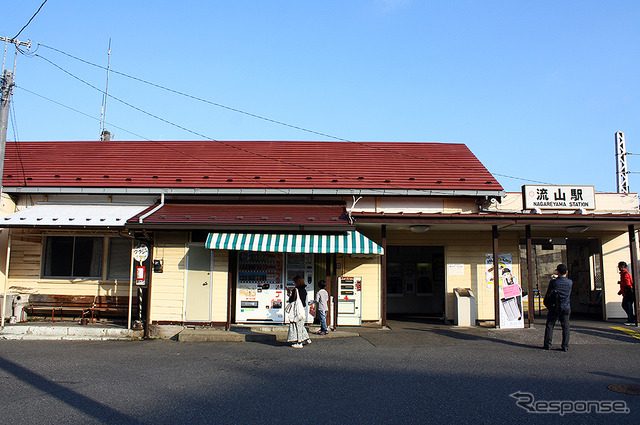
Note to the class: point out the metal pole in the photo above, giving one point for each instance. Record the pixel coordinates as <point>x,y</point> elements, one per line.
<point>334,285</point>
<point>147,312</point>
<point>383,272</point>
<point>634,263</point>
<point>527,231</point>
<point>5,101</point>
<point>496,276</point>
<point>130,286</point>
<point>327,273</point>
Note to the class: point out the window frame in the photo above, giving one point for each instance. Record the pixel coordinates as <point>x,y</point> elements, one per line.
<point>98,256</point>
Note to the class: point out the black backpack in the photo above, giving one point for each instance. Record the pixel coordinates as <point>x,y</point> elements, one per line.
<point>552,301</point>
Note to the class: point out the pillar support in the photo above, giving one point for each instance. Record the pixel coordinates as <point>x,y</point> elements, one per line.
<point>496,276</point>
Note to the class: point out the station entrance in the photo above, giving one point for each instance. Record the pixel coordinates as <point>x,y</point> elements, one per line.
<point>583,257</point>
<point>415,282</point>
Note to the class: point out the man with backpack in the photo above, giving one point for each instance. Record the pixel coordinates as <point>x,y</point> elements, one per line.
<point>559,307</point>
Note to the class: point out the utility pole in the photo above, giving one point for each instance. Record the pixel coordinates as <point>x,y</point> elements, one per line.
<point>5,99</point>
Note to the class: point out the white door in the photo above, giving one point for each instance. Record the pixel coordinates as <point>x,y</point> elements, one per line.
<point>199,284</point>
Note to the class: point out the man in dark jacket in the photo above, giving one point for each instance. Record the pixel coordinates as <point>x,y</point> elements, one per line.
<point>562,285</point>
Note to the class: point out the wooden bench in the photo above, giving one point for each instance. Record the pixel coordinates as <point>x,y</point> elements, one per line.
<point>82,306</point>
<point>77,305</point>
<point>113,306</point>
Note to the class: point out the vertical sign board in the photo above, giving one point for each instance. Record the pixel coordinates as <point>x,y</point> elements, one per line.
<point>559,197</point>
<point>511,313</point>
<point>140,254</point>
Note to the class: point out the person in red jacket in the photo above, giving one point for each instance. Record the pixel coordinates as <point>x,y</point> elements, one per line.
<point>628,295</point>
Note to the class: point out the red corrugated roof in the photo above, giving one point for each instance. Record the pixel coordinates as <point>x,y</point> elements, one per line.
<point>245,214</point>
<point>246,164</point>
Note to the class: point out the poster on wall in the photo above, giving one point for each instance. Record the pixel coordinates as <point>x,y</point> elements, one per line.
<point>511,315</point>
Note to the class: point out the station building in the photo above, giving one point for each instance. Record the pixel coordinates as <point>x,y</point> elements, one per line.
<point>212,233</point>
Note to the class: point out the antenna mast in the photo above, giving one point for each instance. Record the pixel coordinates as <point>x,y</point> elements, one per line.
<point>621,163</point>
<point>104,134</point>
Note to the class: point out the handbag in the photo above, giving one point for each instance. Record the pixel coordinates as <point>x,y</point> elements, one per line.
<point>295,309</point>
<point>312,309</point>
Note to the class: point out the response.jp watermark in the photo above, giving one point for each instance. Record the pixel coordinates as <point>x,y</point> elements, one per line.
<point>528,402</point>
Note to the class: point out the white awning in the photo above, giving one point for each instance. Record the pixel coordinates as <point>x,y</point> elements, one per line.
<point>72,215</point>
<point>350,243</point>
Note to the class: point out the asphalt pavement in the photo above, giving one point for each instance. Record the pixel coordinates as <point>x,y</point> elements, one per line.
<point>416,372</point>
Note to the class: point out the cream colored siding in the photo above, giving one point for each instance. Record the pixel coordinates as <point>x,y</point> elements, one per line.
<point>168,287</point>
<point>468,249</point>
<point>615,248</point>
<point>220,285</point>
<point>25,260</point>
<point>459,205</point>
<point>369,270</point>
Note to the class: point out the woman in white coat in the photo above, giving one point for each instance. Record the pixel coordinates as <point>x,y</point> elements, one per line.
<point>297,315</point>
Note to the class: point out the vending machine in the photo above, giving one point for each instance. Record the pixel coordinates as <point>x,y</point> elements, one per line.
<point>263,281</point>
<point>349,301</point>
<point>301,265</point>
<point>260,293</point>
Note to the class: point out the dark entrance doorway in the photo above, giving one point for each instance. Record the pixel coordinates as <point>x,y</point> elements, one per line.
<point>415,281</point>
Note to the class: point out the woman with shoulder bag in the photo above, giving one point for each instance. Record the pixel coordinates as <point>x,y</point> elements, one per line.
<point>296,314</point>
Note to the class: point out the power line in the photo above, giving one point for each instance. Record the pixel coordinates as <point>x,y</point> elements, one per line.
<point>370,146</point>
<point>196,97</point>
<point>195,132</point>
<point>142,137</point>
<point>80,112</point>
<point>27,24</point>
<point>14,127</point>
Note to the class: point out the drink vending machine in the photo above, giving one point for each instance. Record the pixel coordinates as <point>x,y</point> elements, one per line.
<point>262,283</point>
<point>301,265</point>
<point>260,292</point>
<point>349,301</point>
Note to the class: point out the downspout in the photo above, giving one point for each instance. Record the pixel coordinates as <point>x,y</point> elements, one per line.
<point>160,205</point>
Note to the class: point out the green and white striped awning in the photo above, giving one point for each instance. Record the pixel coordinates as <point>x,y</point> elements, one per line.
<point>351,243</point>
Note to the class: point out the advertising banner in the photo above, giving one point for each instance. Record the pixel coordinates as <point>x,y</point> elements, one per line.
<point>511,315</point>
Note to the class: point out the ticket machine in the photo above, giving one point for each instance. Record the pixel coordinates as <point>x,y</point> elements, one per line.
<point>349,301</point>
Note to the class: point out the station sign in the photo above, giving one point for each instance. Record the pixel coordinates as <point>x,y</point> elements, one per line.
<point>558,197</point>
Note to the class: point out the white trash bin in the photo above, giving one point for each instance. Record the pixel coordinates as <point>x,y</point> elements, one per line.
<point>465,307</point>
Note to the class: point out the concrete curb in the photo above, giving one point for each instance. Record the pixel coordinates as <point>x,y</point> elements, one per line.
<point>252,334</point>
<point>77,333</point>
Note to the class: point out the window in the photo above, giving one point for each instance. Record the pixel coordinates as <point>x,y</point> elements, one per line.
<point>73,257</point>
<point>119,265</point>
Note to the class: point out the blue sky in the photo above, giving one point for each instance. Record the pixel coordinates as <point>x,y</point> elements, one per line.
<point>536,89</point>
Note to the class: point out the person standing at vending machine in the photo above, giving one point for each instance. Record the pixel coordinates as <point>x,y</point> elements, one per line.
<point>297,331</point>
<point>322,301</point>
